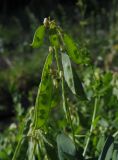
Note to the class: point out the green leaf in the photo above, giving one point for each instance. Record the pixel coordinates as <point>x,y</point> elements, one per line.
<point>66,148</point>
<point>100,143</point>
<point>38,37</point>
<point>43,100</point>
<point>115,155</point>
<point>78,86</point>
<point>108,144</point>
<point>79,56</point>
<point>72,78</point>
<point>3,155</point>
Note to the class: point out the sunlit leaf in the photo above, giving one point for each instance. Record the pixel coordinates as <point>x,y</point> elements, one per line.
<point>68,74</point>
<point>71,77</point>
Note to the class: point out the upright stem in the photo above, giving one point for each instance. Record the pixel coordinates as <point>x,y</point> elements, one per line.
<point>17,149</point>
<point>57,59</point>
<point>67,111</point>
<point>92,126</point>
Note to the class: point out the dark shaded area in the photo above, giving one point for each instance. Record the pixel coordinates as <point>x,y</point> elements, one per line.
<point>45,6</point>
<point>6,101</point>
<point>10,6</point>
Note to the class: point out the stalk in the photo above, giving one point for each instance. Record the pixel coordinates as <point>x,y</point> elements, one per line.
<point>57,59</point>
<point>17,149</point>
<point>92,126</point>
<point>67,111</point>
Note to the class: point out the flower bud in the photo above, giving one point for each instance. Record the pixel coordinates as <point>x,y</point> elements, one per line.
<point>46,22</point>
<point>50,49</point>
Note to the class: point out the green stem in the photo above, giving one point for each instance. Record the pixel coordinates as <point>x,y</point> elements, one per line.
<point>70,121</point>
<point>92,126</point>
<point>17,149</point>
<point>63,98</point>
<point>33,151</point>
<point>115,134</point>
<point>67,111</point>
<point>57,59</point>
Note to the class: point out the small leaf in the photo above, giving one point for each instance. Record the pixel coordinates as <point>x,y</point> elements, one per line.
<point>108,143</point>
<point>100,143</point>
<point>72,78</point>
<point>66,148</point>
<point>38,37</point>
<point>79,56</point>
<point>43,100</point>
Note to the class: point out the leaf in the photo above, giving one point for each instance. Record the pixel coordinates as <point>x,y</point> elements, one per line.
<point>115,155</point>
<point>72,78</point>
<point>38,37</point>
<point>3,155</point>
<point>66,148</point>
<point>110,152</point>
<point>100,143</point>
<point>43,100</point>
<point>108,143</point>
<point>79,56</point>
<point>78,86</point>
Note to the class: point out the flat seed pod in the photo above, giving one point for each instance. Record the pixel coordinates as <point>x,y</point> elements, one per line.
<point>53,37</point>
<point>38,37</point>
<point>43,100</point>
